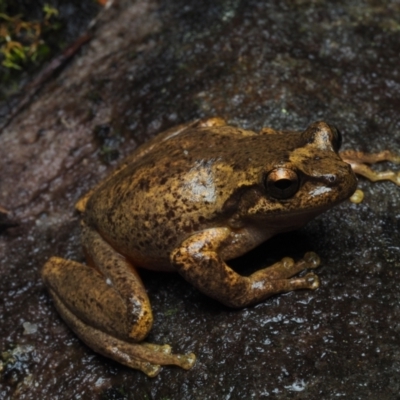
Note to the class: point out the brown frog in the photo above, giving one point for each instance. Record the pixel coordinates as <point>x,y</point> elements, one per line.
<point>187,201</point>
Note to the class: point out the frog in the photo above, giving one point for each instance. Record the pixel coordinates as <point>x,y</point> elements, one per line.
<point>188,201</point>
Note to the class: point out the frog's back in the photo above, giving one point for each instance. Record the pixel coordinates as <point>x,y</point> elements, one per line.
<point>179,188</point>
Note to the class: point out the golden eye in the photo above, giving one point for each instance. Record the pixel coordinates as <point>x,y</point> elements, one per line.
<point>281,183</point>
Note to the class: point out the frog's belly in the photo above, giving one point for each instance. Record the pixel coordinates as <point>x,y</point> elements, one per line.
<point>149,258</point>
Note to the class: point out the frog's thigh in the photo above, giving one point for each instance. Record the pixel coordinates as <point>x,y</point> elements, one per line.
<point>198,261</point>
<point>85,292</point>
<point>117,271</point>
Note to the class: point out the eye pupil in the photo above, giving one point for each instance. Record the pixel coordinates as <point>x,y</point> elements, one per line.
<point>281,183</point>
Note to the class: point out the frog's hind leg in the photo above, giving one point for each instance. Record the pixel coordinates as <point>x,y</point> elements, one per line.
<point>358,161</point>
<point>106,305</point>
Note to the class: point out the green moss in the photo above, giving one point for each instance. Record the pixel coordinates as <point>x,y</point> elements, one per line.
<point>22,41</point>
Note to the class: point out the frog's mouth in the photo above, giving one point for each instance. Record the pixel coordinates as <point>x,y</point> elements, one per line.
<point>292,220</point>
<point>294,215</point>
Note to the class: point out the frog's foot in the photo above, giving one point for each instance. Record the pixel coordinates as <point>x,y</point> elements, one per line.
<point>280,274</point>
<point>212,122</point>
<point>286,268</point>
<point>358,161</point>
<point>308,281</point>
<point>374,176</point>
<point>143,356</point>
<point>369,158</point>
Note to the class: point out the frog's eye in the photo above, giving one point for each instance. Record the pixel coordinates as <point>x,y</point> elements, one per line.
<point>336,138</point>
<point>281,183</point>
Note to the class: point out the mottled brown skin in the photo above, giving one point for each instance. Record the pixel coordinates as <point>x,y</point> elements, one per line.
<point>182,187</point>
<point>188,200</point>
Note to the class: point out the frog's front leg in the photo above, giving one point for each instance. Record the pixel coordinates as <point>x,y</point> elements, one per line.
<point>199,262</point>
<point>106,305</point>
<point>358,161</point>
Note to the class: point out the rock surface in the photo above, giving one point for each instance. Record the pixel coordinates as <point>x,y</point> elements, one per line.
<point>154,64</point>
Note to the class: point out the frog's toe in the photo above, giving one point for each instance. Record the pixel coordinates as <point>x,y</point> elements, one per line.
<point>164,348</point>
<point>187,360</point>
<point>397,179</point>
<point>312,281</point>
<point>287,268</point>
<point>312,260</point>
<point>357,197</point>
<point>308,281</point>
<point>151,370</point>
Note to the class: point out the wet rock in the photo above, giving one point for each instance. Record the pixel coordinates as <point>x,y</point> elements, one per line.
<point>152,65</point>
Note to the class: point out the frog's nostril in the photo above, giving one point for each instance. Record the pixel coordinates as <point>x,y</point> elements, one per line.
<point>331,178</point>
